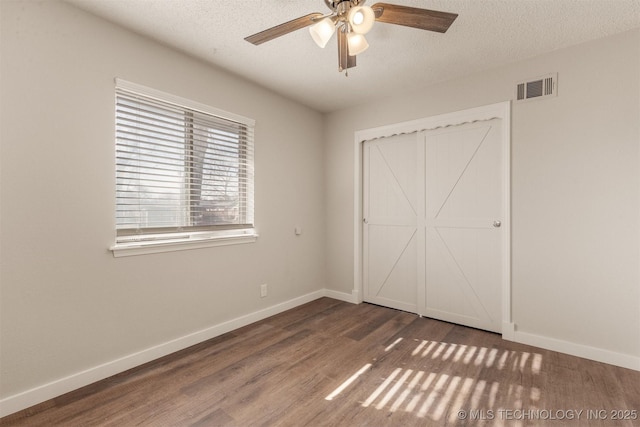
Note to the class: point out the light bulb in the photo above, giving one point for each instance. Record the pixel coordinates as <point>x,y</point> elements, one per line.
<point>322,31</point>
<point>358,18</point>
<point>361,19</point>
<point>357,43</point>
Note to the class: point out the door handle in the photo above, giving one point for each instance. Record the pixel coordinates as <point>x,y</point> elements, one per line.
<point>365,220</point>
<point>497,224</point>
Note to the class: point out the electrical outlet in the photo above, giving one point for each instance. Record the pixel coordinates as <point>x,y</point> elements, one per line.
<point>263,290</point>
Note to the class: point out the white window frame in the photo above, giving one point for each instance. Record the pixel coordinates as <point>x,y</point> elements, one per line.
<point>175,241</point>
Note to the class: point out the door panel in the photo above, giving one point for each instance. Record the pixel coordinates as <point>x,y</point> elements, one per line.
<point>392,266</point>
<point>429,242</point>
<point>389,234</point>
<point>462,278</point>
<point>463,248</point>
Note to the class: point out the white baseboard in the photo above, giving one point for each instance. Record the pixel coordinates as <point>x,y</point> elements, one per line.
<point>508,331</point>
<point>592,353</point>
<point>59,387</point>
<point>342,296</point>
<point>28,398</point>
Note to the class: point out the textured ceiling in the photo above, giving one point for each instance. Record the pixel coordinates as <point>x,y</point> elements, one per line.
<point>486,34</point>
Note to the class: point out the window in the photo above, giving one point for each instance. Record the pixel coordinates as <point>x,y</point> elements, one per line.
<point>184,172</point>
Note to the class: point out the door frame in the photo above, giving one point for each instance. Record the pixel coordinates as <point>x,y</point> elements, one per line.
<point>502,111</point>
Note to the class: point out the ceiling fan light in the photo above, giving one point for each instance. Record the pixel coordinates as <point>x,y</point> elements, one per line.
<point>361,19</point>
<point>357,43</point>
<point>322,31</point>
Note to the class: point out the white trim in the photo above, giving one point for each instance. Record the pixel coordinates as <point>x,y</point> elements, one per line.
<point>580,350</point>
<point>508,331</point>
<point>183,102</point>
<point>154,247</point>
<point>471,115</point>
<point>42,393</point>
<point>358,147</point>
<point>505,116</point>
<point>190,239</point>
<point>501,110</point>
<point>36,395</point>
<point>342,296</point>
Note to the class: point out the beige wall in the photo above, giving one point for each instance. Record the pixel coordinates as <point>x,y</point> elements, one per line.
<point>66,304</point>
<point>575,188</point>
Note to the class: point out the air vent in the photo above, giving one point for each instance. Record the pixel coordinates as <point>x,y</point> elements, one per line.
<point>537,88</point>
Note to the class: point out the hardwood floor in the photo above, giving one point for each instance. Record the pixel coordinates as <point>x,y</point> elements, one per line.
<point>330,363</point>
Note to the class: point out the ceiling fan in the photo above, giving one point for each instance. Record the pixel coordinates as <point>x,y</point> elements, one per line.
<point>352,20</point>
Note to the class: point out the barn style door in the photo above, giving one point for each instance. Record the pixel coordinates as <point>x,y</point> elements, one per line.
<point>390,229</point>
<point>463,224</point>
<point>433,223</point>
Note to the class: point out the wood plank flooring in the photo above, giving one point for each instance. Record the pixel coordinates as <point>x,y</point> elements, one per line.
<point>330,363</point>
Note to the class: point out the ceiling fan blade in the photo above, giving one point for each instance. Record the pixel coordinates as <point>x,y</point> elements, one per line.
<point>282,29</point>
<point>424,19</point>
<point>345,61</point>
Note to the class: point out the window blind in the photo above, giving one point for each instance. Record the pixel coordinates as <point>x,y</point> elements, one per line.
<point>183,169</point>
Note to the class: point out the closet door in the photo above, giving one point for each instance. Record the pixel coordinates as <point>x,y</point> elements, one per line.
<point>433,229</point>
<point>390,209</point>
<point>463,224</point>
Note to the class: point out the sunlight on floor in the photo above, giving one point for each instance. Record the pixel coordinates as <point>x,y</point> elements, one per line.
<point>434,395</point>
<point>348,382</point>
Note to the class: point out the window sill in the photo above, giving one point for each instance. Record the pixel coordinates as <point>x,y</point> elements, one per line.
<point>144,248</point>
